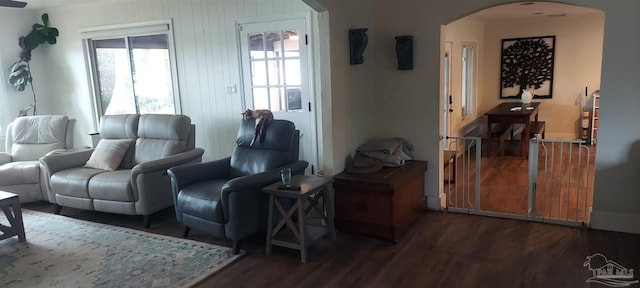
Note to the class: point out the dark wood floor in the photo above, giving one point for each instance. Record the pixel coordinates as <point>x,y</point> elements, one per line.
<point>564,188</point>
<point>439,250</point>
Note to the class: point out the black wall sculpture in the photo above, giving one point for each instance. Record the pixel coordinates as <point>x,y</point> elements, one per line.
<point>404,51</point>
<point>358,40</point>
<point>527,63</point>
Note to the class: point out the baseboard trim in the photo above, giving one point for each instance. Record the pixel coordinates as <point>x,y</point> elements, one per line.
<point>627,223</point>
<point>560,136</point>
<point>433,203</point>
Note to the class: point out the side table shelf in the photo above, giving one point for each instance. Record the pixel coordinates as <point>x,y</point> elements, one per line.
<point>315,195</point>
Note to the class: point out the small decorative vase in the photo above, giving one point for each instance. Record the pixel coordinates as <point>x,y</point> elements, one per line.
<point>526,96</point>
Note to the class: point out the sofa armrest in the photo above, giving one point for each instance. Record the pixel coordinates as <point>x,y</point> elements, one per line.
<point>260,180</point>
<point>244,205</point>
<point>254,183</point>
<point>185,175</point>
<point>61,160</point>
<point>5,158</point>
<point>161,165</point>
<point>168,162</point>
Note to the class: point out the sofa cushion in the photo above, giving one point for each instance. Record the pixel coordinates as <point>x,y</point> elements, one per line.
<point>115,185</point>
<point>73,181</point>
<point>34,136</point>
<point>119,126</point>
<point>123,126</point>
<point>158,126</point>
<point>275,151</point>
<point>32,152</point>
<point>40,129</point>
<point>24,172</point>
<point>202,200</point>
<point>108,154</point>
<point>160,136</point>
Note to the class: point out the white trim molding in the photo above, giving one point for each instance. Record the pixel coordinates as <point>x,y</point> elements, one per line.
<point>130,29</point>
<point>627,223</point>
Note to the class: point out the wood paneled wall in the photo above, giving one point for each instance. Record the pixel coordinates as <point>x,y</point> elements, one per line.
<point>206,55</point>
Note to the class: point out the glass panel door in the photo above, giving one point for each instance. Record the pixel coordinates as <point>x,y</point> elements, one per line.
<point>276,75</point>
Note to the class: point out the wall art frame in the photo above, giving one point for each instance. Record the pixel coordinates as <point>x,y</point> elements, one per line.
<point>527,63</point>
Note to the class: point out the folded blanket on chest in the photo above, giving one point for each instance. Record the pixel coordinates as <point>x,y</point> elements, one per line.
<point>392,151</point>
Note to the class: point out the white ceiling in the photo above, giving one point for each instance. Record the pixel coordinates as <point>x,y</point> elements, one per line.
<point>500,13</point>
<point>43,4</point>
<point>518,11</point>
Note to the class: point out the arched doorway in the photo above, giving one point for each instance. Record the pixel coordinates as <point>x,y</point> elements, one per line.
<point>403,95</point>
<point>485,181</point>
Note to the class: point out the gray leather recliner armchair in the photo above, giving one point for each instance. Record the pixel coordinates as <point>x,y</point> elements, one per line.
<point>140,185</point>
<point>27,139</point>
<point>223,198</point>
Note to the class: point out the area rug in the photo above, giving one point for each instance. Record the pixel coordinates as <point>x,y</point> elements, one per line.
<point>66,252</point>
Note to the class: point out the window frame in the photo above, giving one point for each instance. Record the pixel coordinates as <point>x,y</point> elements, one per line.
<point>469,88</point>
<point>126,31</point>
<point>287,89</point>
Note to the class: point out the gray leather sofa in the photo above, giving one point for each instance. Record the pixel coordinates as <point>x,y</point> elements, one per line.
<point>139,185</point>
<point>27,139</point>
<point>223,198</point>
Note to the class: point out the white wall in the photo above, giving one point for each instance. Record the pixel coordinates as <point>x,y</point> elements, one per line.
<point>353,99</point>
<point>206,55</point>
<point>578,59</point>
<point>413,96</point>
<point>13,24</point>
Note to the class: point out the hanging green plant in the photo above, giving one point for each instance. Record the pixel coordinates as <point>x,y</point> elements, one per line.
<point>20,75</point>
<point>20,71</point>
<point>40,33</point>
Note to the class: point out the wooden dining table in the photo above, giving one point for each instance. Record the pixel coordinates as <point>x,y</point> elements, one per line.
<point>505,114</point>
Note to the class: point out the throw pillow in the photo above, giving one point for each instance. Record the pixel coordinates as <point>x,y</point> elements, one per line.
<point>108,154</point>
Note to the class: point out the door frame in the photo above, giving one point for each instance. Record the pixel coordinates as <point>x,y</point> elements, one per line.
<point>311,23</point>
<point>448,96</point>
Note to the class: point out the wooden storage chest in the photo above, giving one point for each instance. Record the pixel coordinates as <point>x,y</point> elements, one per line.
<point>381,204</point>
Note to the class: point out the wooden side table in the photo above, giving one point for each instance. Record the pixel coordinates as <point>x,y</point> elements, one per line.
<point>16,228</point>
<point>315,192</point>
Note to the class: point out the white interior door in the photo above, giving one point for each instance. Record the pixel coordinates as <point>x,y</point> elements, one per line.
<point>276,67</point>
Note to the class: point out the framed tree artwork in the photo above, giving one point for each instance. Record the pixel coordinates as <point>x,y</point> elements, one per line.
<point>527,64</point>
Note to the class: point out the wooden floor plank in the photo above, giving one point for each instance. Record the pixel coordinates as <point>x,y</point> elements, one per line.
<point>504,182</point>
<point>440,250</point>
